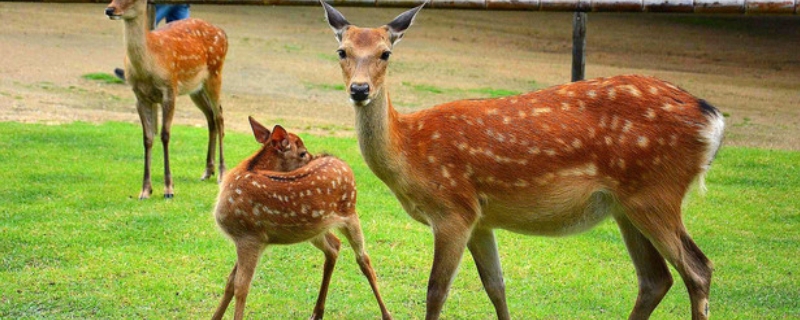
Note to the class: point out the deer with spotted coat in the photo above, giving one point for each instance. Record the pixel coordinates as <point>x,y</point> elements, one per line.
<point>284,195</point>
<point>551,162</point>
<point>183,57</point>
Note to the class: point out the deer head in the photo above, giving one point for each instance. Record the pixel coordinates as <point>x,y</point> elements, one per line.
<point>281,151</point>
<point>126,9</point>
<point>364,53</point>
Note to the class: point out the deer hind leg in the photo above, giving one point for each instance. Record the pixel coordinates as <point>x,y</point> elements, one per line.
<point>147,115</point>
<point>201,100</point>
<point>329,244</point>
<point>356,238</point>
<point>213,87</point>
<point>651,269</point>
<point>227,296</point>
<point>663,226</point>
<point>483,247</point>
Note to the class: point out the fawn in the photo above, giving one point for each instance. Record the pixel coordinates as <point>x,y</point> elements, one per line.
<point>552,162</point>
<point>183,57</point>
<point>283,195</point>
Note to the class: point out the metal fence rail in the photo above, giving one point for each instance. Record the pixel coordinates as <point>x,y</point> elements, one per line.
<point>679,6</point>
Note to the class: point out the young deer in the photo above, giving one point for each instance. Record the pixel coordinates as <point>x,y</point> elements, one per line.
<point>183,57</point>
<point>552,162</point>
<point>283,195</point>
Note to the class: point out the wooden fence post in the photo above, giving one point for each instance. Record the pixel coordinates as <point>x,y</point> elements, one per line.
<point>578,46</point>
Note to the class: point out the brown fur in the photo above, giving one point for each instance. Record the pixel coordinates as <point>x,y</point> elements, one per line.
<point>184,57</point>
<point>551,162</point>
<point>283,195</point>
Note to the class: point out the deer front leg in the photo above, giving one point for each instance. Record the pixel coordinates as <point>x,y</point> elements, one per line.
<point>147,115</point>
<point>226,297</point>
<point>483,247</point>
<point>329,244</point>
<point>450,240</point>
<point>168,110</point>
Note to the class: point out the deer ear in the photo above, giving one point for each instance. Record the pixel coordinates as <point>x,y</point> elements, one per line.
<point>260,132</point>
<point>400,24</point>
<point>336,20</point>
<point>279,138</point>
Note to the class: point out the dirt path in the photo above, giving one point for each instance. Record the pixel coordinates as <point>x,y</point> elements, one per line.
<point>282,63</point>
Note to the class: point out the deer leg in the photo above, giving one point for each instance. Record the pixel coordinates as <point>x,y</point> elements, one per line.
<point>663,226</point>
<point>483,247</point>
<point>353,233</point>
<point>226,297</point>
<point>247,255</point>
<point>147,115</point>
<point>450,240</point>
<point>212,89</point>
<point>651,269</point>
<point>201,101</point>
<point>168,110</point>
<point>329,244</point>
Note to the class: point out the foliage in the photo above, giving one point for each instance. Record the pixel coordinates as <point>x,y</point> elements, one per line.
<point>76,243</point>
<point>103,77</point>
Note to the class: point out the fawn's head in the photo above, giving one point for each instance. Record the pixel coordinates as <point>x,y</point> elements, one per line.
<point>364,52</point>
<point>281,151</point>
<point>126,9</point>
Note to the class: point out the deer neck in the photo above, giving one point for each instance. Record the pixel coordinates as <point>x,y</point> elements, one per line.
<point>136,32</point>
<point>376,126</point>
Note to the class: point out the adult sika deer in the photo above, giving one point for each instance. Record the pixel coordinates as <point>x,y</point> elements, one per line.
<point>184,57</point>
<point>552,162</point>
<point>283,195</point>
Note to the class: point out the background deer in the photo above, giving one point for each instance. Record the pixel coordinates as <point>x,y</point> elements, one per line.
<point>182,57</point>
<point>283,195</point>
<point>552,162</point>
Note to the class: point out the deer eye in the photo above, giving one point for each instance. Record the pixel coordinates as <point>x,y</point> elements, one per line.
<point>341,53</point>
<point>385,55</point>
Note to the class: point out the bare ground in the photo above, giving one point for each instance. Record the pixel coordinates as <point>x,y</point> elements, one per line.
<point>282,66</point>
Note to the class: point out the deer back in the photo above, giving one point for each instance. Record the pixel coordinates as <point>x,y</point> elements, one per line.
<point>286,207</point>
<point>188,51</point>
<point>627,135</point>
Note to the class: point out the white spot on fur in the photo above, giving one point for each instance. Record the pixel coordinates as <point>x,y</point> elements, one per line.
<point>642,142</point>
<point>650,114</point>
<point>538,111</point>
<point>628,125</point>
<point>589,169</point>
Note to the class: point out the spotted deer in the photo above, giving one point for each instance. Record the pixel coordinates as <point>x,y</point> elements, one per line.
<point>184,57</point>
<point>552,162</point>
<point>284,195</point>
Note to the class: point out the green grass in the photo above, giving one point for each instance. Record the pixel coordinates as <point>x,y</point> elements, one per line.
<point>483,92</point>
<point>102,77</point>
<point>325,86</point>
<point>75,242</point>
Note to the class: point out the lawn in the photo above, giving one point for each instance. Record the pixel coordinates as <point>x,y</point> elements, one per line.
<point>76,243</point>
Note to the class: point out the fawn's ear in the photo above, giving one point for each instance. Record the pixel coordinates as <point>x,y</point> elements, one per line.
<point>279,138</point>
<point>336,20</point>
<point>260,132</point>
<point>400,24</point>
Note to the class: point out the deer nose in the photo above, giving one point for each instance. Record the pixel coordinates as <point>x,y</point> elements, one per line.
<point>359,91</point>
<point>109,11</point>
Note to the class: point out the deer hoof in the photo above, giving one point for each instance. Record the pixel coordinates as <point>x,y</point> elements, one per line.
<point>168,196</point>
<point>145,194</point>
